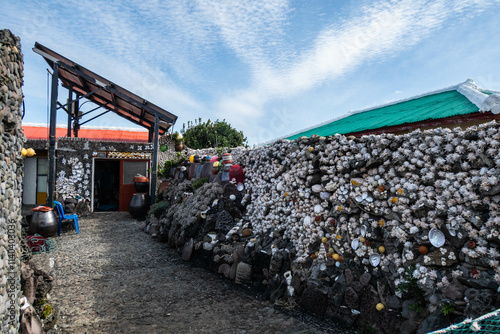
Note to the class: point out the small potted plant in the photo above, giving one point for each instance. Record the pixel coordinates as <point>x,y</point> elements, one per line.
<point>179,145</point>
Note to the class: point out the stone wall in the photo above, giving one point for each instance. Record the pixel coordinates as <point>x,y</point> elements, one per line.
<point>400,233</point>
<point>11,141</point>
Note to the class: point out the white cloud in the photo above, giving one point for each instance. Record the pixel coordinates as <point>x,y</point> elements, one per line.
<point>375,32</point>
<point>166,50</point>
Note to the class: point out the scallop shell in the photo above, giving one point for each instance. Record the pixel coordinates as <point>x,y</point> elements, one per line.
<point>436,237</point>
<point>374,259</point>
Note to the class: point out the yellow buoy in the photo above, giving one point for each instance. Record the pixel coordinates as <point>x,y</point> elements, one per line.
<point>336,257</point>
<point>324,240</point>
<point>191,158</point>
<point>380,307</point>
<point>24,152</point>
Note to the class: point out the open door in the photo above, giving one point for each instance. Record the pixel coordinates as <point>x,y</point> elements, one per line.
<point>106,184</point>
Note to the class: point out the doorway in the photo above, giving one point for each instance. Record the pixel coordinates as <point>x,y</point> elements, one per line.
<point>106,185</point>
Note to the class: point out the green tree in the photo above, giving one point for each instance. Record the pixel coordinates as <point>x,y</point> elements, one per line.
<point>212,134</point>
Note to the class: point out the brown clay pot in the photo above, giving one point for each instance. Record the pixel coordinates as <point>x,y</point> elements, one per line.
<point>179,147</point>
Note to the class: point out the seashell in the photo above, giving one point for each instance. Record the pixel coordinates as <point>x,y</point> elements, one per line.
<point>240,186</point>
<point>307,221</point>
<point>317,188</point>
<point>280,187</point>
<point>436,237</point>
<point>324,195</point>
<point>246,233</point>
<point>374,259</point>
<point>355,244</point>
<point>363,230</point>
<point>356,181</point>
<point>318,208</point>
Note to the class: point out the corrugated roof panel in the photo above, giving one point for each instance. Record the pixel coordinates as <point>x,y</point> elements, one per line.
<point>436,106</point>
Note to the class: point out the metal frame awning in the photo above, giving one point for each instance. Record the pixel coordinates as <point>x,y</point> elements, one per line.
<point>105,94</point>
<point>102,92</point>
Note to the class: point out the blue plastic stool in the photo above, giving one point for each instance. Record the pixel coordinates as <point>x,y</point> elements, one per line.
<point>62,217</point>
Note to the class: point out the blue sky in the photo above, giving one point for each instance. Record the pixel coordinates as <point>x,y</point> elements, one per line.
<point>269,68</point>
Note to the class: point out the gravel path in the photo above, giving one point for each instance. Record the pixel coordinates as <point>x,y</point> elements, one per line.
<point>113,278</point>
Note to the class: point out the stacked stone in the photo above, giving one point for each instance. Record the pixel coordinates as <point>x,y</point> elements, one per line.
<point>11,142</point>
<point>366,229</point>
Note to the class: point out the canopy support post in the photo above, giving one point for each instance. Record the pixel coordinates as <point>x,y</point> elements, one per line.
<point>69,111</point>
<point>52,135</point>
<point>154,168</point>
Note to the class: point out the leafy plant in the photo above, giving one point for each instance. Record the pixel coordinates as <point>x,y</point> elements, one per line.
<point>212,134</point>
<point>411,290</point>
<point>177,137</point>
<point>410,287</point>
<point>417,306</point>
<point>158,208</point>
<point>447,308</point>
<point>164,171</point>
<point>199,182</point>
<point>365,328</point>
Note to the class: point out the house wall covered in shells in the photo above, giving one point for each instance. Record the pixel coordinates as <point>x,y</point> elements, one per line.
<point>397,232</point>
<point>74,162</point>
<point>11,142</point>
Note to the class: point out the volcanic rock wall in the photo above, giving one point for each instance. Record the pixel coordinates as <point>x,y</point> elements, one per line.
<point>11,141</point>
<point>394,232</point>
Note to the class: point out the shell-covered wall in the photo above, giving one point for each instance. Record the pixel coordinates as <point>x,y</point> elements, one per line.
<point>394,230</point>
<point>11,172</point>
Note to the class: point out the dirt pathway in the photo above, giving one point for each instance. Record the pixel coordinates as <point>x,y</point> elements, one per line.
<point>112,278</point>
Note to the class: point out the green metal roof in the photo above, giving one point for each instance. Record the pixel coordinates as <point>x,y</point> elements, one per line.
<point>434,106</point>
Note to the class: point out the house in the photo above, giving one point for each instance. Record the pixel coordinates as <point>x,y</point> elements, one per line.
<point>462,105</point>
<point>98,167</point>
<point>94,165</point>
